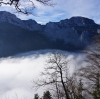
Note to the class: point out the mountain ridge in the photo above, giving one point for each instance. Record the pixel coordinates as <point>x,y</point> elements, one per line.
<point>70,34</point>
<point>11,18</point>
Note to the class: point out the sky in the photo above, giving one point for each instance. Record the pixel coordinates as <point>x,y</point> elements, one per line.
<point>62,9</point>
<point>18,72</point>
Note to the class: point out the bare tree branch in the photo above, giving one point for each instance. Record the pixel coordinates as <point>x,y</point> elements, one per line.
<point>21,8</point>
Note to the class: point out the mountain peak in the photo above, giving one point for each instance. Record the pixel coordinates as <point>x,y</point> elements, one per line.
<point>81,21</point>
<point>10,18</point>
<point>6,16</point>
<point>6,13</point>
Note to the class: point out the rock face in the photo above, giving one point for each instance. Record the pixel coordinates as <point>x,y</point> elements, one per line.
<point>18,35</point>
<point>11,18</point>
<point>76,31</point>
<point>32,25</point>
<point>81,21</point>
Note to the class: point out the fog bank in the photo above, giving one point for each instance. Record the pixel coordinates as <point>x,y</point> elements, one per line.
<point>17,72</point>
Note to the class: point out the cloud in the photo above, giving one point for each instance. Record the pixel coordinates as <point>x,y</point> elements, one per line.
<point>62,10</point>
<point>16,73</point>
<point>66,9</point>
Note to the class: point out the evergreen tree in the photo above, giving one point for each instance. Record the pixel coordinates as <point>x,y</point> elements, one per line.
<point>47,95</point>
<point>80,89</point>
<point>36,96</point>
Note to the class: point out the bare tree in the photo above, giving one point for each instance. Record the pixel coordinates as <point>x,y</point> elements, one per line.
<point>25,6</point>
<point>56,73</point>
<point>91,72</point>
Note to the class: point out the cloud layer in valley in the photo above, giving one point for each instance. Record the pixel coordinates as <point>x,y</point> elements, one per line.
<point>16,73</point>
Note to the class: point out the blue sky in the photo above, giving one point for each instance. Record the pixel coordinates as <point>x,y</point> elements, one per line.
<point>62,10</point>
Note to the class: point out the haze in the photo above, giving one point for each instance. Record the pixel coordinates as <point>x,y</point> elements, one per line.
<point>16,73</point>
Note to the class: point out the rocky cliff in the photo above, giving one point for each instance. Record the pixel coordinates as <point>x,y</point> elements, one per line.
<point>18,35</point>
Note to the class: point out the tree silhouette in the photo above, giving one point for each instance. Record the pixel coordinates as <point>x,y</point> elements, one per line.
<point>56,73</point>
<point>91,72</point>
<point>47,95</point>
<point>25,6</point>
<point>36,96</point>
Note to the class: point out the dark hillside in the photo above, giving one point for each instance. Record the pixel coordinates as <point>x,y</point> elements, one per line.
<point>14,39</point>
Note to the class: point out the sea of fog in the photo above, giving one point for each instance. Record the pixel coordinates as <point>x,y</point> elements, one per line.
<point>17,72</point>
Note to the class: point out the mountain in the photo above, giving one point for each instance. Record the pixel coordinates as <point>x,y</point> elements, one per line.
<point>11,18</point>
<point>14,39</point>
<point>18,35</point>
